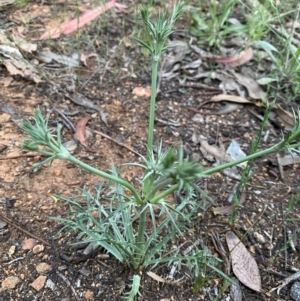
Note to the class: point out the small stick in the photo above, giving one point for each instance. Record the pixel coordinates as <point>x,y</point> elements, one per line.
<point>115,141</point>
<point>285,249</point>
<point>14,260</point>
<point>23,230</point>
<point>285,282</point>
<point>170,123</point>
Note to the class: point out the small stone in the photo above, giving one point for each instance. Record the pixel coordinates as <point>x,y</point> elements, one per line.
<point>295,291</point>
<point>4,118</point>
<point>259,238</point>
<point>43,268</point>
<point>57,172</point>
<point>50,284</point>
<point>2,224</point>
<point>11,250</point>
<point>198,118</point>
<point>28,244</point>
<point>39,283</point>
<point>89,294</point>
<point>10,282</point>
<point>38,249</point>
<point>85,272</point>
<point>142,91</point>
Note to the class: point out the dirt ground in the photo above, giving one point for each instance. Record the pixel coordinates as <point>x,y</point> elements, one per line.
<point>27,198</point>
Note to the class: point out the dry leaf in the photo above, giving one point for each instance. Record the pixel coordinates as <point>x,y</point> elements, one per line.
<point>243,264</point>
<point>237,59</point>
<point>285,117</point>
<point>17,66</point>
<point>82,101</point>
<point>232,98</point>
<point>49,56</point>
<point>81,130</point>
<point>215,151</point>
<point>160,279</point>
<point>253,88</point>
<point>88,16</point>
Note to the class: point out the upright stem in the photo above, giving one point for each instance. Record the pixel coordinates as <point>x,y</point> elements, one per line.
<point>141,235</point>
<point>152,104</point>
<point>147,182</point>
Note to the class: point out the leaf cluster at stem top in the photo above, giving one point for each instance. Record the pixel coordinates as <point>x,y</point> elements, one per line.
<point>159,30</point>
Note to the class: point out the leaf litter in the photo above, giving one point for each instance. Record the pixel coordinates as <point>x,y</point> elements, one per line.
<point>243,264</point>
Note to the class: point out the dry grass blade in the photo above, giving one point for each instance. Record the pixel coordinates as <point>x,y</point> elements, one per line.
<point>243,264</point>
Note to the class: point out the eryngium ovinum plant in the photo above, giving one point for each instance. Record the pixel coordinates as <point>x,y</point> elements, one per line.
<point>136,224</point>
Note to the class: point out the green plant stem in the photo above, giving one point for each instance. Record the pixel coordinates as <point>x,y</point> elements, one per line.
<point>280,145</point>
<point>104,175</point>
<point>163,183</point>
<point>141,236</point>
<point>164,194</point>
<point>152,104</point>
<point>147,182</point>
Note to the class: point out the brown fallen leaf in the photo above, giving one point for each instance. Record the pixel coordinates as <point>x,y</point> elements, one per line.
<point>225,97</point>
<point>244,265</point>
<point>89,15</point>
<point>81,130</point>
<point>237,59</point>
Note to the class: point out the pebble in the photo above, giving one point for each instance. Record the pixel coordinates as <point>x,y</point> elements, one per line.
<point>295,291</point>
<point>89,294</point>
<point>39,283</point>
<point>43,268</point>
<point>28,244</point>
<point>10,282</point>
<point>259,238</point>
<point>38,249</point>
